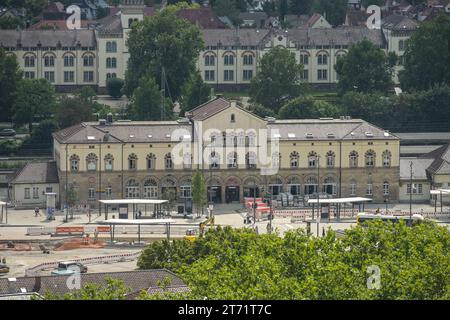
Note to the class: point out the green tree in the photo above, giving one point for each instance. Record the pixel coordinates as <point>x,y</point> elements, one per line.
<point>427,56</point>
<point>195,92</point>
<point>146,101</point>
<point>333,10</point>
<point>162,41</point>
<point>10,77</point>
<point>199,191</point>
<point>277,80</point>
<point>115,289</point>
<point>114,87</point>
<point>74,110</point>
<point>227,8</point>
<point>299,7</point>
<point>307,108</point>
<point>262,111</point>
<point>34,101</point>
<point>42,133</point>
<point>10,23</point>
<point>170,195</point>
<point>365,68</point>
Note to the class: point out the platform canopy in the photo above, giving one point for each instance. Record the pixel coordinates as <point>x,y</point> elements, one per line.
<point>136,221</point>
<point>339,200</point>
<point>440,191</point>
<point>133,201</point>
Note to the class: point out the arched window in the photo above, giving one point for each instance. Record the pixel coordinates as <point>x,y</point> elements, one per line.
<point>132,189</point>
<point>228,60</point>
<point>49,60</point>
<point>214,161</point>
<point>322,59</point>
<point>132,162</point>
<point>251,139</point>
<point>294,159</point>
<point>330,159</point>
<point>109,161</point>
<point>91,162</point>
<point>233,118</point>
<point>401,45</point>
<point>74,163</point>
<point>370,158</point>
<point>232,160</point>
<point>151,161</point>
<point>353,159</point>
<point>312,159</point>
<point>150,189</point>
<point>29,61</point>
<point>69,60</point>
<point>293,184</point>
<point>310,185</point>
<point>241,139</point>
<point>386,158</point>
<point>210,60</point>
<point>329,186</point>
<point>130,22</point>
<point>168,161</point>
<point>250,160</point>
<point>304,59</point>
<point>385,188</point>
<point>88,60</point>
<point>248,59</point>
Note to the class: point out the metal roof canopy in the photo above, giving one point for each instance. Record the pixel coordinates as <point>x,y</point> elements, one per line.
<point>133,201</point>
<point>339,200</point>
<point>136,221</point>
<point>117,222</point>
<point>440,191</point>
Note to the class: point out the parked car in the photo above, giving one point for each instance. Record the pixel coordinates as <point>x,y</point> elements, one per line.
<point>4,268</point>
<point>7,133</point>
<point>69,267</point>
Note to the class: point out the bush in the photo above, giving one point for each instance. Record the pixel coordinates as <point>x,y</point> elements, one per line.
<point>114,87</point>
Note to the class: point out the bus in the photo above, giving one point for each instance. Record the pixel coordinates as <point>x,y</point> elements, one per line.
<point>361,218</point>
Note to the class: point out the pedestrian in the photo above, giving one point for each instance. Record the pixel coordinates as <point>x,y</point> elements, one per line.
<point>256,230</point>
<point>268,227</point>
<point>37,212</point>
<point>140,214</point>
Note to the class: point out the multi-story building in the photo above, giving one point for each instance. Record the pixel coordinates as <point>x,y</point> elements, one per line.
<point>74,58</point>
<point>238,153</point>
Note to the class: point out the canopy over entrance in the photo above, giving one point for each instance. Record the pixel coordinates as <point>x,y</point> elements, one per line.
<point>125,202</point>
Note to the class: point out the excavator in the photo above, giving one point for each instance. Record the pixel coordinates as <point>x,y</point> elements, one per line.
<point>193,234</point>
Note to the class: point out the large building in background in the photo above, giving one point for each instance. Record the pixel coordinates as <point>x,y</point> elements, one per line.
<point>89,57</point>
<point>345,157</point>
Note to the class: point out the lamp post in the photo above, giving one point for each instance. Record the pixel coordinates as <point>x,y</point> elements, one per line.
<point>411,189</point>
<point>319,210</point>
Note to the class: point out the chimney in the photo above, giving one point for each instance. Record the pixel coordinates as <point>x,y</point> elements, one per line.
<point>106,136</point>
<point>233,103</point>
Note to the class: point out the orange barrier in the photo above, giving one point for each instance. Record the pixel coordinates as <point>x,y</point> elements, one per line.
<point>69,230</point>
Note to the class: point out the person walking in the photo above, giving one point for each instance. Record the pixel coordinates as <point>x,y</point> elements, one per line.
<point>37,212</point>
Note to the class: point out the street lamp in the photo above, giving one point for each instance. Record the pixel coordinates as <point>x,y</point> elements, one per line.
<point>411,188</point>
<point>319,210</point>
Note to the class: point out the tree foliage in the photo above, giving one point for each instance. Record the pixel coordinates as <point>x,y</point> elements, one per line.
<point>34,101</point>
<point>10,77</point>
<point>73,110</point>
<point>333,10</point>
<point>195,92</point>
<point>307,108</point>
<point>239,264</point>
<point>427,56</point>
<point>364,68</point>
<point>114,87</point>
<point>198,191</point>
<point>277,80</point>
<point>162,41</point>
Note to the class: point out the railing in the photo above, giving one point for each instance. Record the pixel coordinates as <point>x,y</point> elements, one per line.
<point>31,272</point>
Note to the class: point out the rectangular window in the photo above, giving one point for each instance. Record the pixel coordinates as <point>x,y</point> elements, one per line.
<point>322,74</point>
<point>27,193</point>
<point>69,76</point>
<point>353,189</point>
<point>35,193</point>
<point>48,189</point>
<point>248,75</point>
<point>209,75</point>
<point>304,75</point>
<point>108,192</point>
<point>186,192</point>
<point>369,189</point>
<point>88,76</point>
<point>91,193</point>
<point>416,189</point>
<point>304,59</point>
<point>29,74</point>
<point>228,75</point>
<point>49,76</point>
